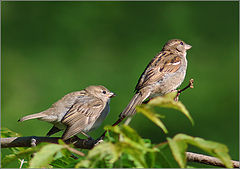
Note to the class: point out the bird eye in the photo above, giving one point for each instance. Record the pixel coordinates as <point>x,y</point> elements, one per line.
<point>104,92</point>
<point>181,43</point>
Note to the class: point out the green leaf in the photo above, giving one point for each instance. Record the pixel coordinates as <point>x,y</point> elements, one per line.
<point>178,148</point>
<point>130,144</point>
<point>151,116</point>
<point>45,155</point>
<point>136,155</point>
<point>130,136</point>
<point>83,163</point>
<point>150,159</point>
<point>105,150</point>
<point>164,158</point>
<point>167,101</point>
<point>179,143</point>
<point>5,132</point>
<point>21,154</point>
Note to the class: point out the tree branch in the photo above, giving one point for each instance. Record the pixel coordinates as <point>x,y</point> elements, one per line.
<point>88,144</point>
<point>199,158</point>
<point>27,141</point>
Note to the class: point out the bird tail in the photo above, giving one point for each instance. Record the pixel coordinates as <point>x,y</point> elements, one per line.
<point>130,110</point>
<point>32,116</point>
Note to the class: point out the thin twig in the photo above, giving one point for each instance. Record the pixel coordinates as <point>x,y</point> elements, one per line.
<point>190,84</point>
<point>199,158</point>
<point>21,163</point>
<point>74,150</point>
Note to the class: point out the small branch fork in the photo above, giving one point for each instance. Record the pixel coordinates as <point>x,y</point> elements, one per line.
<point>88,144</point>
<point>181,90</point>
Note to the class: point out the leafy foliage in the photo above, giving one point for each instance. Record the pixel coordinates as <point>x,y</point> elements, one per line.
<point>45,155</point>
<point>122,147</point>
<point>166,101</point>
<point>180,142</point>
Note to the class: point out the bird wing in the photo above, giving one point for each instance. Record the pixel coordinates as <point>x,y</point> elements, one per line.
<point>164,62</point>
<point>82,113</point>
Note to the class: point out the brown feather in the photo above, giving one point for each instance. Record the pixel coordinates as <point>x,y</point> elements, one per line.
<point>32,116</point>
<point>157,68</point>
<point>81,115</point>
<point>137,99</point>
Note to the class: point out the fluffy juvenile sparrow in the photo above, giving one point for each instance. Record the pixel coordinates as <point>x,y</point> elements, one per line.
<point>163,74</point>
<point>78,112</point>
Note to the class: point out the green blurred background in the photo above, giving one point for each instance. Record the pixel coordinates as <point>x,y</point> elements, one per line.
<point>52,48</point>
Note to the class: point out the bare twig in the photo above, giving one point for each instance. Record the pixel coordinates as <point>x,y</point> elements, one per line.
<point>181,90</point>
<point>74,150</point>
<point>22,162</point>
<point>199,158</point>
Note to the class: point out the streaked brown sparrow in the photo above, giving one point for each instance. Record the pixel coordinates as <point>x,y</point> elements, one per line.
<point>163,74</point>
<point>78,112</point>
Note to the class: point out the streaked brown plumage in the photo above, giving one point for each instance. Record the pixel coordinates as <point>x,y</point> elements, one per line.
<point>78,112</point>
<point>163,74</point>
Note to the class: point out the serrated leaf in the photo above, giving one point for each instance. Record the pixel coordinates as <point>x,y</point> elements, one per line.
<point>45,155</point>
<point>151,116</point>
<point>167,101</point>
<point>213,148</point>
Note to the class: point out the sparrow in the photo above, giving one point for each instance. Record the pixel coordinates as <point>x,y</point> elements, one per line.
<point>77,112</point>
<point>165,72</point>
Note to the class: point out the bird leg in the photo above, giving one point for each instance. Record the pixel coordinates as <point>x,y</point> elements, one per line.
<point>181,90</point>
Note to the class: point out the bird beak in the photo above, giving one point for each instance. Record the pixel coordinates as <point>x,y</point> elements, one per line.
<point>112,95</point>
<point>188,46</point>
